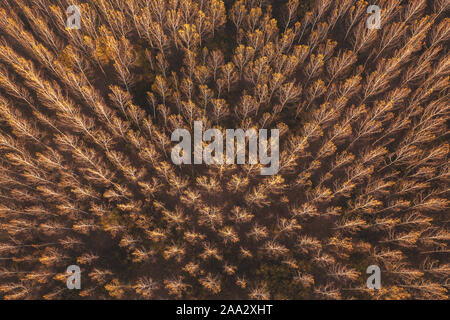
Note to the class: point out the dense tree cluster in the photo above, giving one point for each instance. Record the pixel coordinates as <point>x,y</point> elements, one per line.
<point>86,177</point>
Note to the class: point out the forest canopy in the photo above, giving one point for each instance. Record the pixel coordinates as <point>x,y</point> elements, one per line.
<point>86,176</point>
